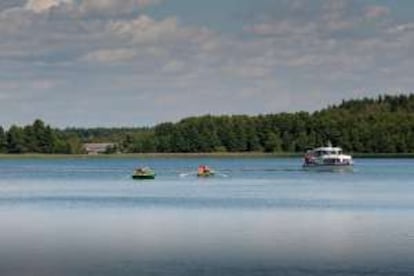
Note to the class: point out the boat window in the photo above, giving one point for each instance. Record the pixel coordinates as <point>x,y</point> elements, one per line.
<point>328,161</point>
<point>331,161</point>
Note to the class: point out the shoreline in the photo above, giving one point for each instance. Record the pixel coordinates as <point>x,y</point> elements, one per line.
<point>191,155</point>
<point>149,155</point>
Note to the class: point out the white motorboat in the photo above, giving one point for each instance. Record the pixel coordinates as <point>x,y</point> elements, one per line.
<point>327,158</point>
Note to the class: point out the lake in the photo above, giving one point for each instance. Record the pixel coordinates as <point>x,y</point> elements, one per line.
<point>257,216</point>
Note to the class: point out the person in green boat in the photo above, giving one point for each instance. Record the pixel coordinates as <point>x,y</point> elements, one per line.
<point>143,173</point>
<point>142,170</point>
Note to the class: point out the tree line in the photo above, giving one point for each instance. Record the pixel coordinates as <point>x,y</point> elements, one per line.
<point>371,125</point>
<point>38,138</point>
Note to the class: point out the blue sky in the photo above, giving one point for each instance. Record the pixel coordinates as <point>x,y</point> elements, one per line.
<point>141,62</point>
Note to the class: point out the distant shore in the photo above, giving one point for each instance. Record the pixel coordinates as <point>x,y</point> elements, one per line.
<point>151,155</point>
<point>192,155</point>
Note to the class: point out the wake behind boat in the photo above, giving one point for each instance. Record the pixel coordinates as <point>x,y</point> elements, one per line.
<point>327,158</point>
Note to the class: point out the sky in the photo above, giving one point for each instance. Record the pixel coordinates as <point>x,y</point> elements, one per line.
<point>113,63</point>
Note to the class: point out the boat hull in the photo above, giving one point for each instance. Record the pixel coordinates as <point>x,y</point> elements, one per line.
<point>328,168</point>
<point>205,174</point>
<point>149,176</point>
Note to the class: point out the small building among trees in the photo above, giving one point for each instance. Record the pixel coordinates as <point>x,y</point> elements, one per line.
<point>96,148</point>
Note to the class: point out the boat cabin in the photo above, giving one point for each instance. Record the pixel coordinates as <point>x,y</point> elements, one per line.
<point>326,151</point>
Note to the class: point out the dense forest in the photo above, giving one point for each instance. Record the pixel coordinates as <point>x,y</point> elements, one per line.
<point>381,125</point>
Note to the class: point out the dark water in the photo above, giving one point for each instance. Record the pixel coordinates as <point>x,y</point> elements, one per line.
<point>256,217</point>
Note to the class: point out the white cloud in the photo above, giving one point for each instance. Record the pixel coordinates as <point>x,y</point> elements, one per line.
<point>144,29</point>
<point>409,27</point>
<point>87,8</point>
<point>114,7</point>
<point>283,27</point>
<point>338,38</point>
<point>110,56</point>
<point>39,6</point>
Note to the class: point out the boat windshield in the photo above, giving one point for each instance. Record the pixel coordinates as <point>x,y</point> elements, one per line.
<point>327,152</point>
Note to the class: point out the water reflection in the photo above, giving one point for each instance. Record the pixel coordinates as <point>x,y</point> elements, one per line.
<point>165,241</point>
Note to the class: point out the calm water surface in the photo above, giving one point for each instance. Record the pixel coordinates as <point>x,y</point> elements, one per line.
<point>257,216</point>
